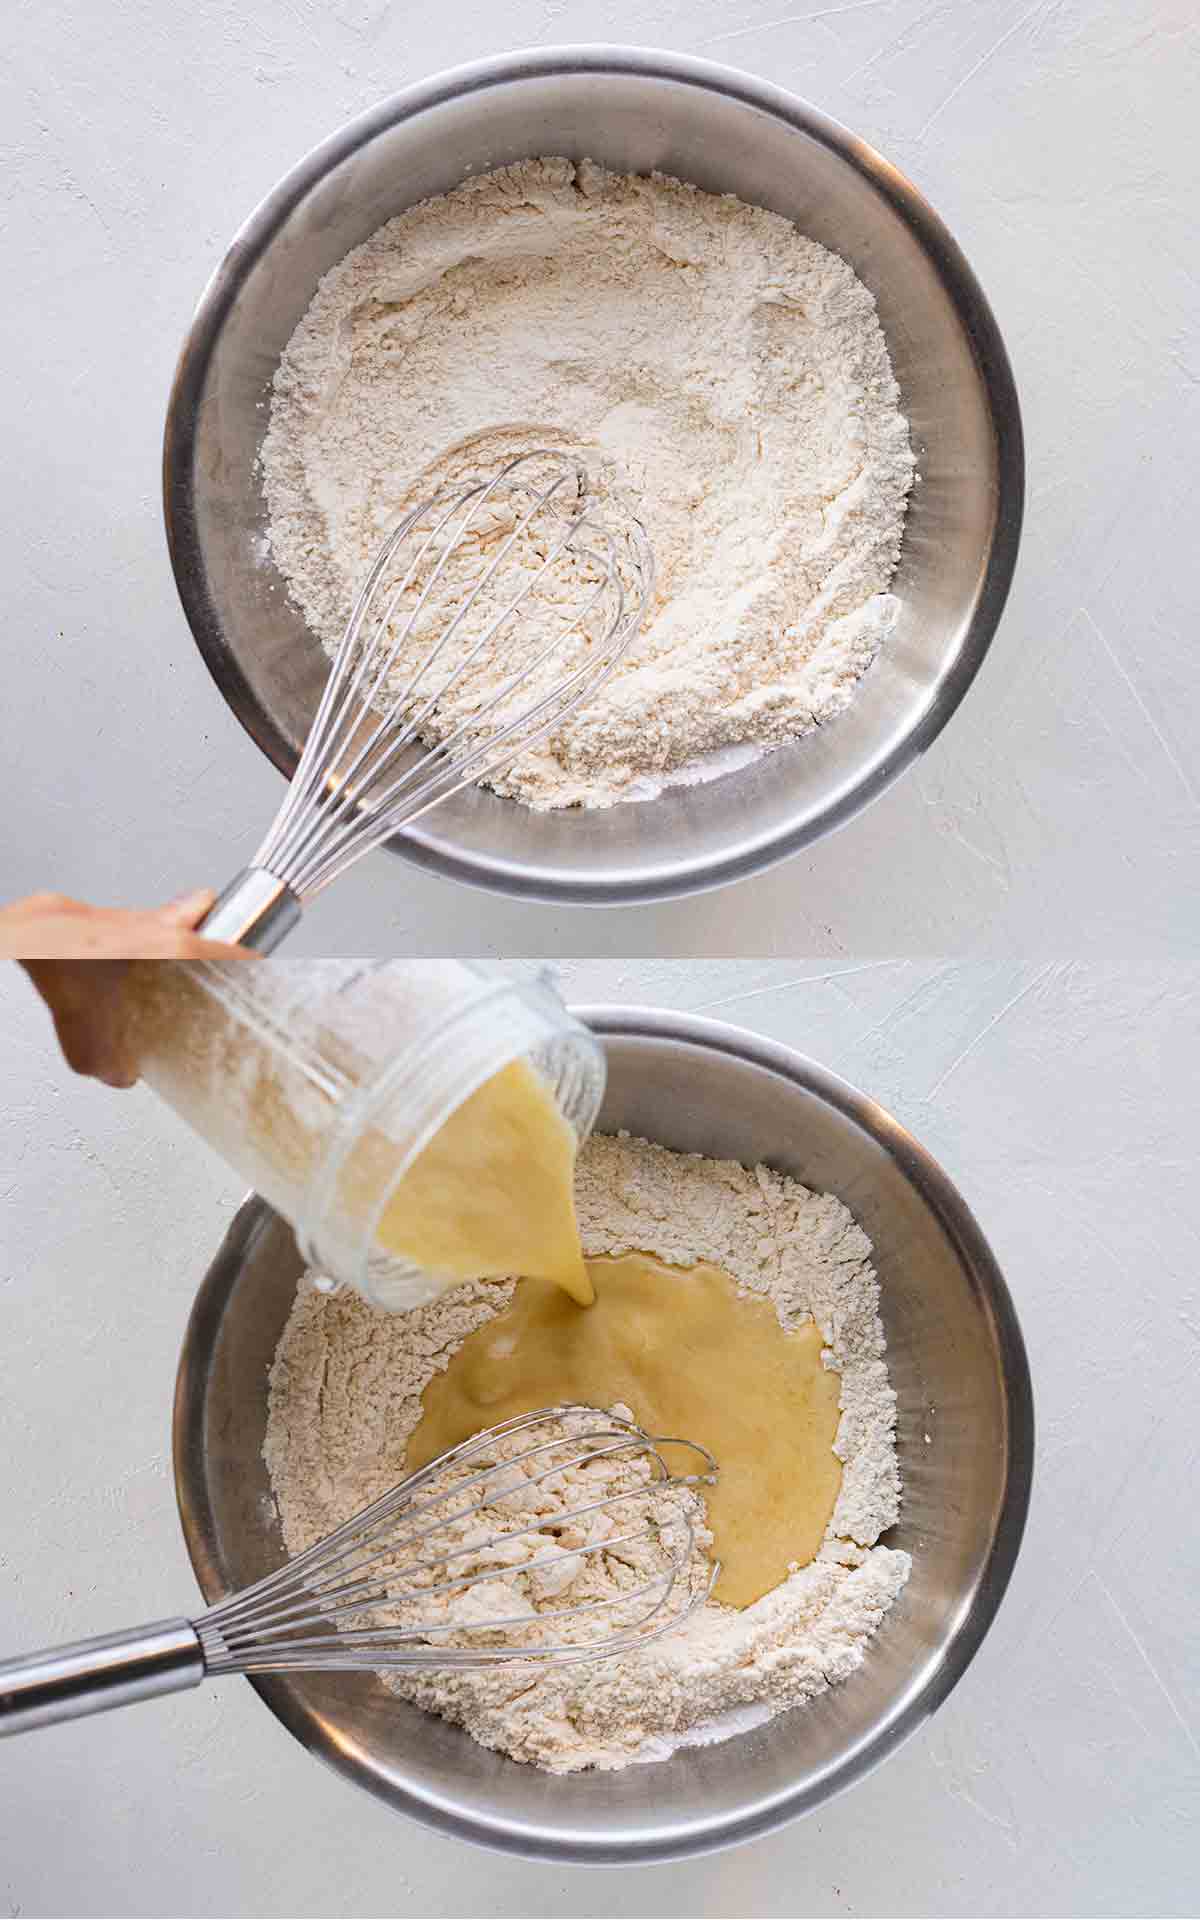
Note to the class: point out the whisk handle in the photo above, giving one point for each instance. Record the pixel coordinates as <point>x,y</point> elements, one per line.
<point>89,1676</point>
<point>256,910</point>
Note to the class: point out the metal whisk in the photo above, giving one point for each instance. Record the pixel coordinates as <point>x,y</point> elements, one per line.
<point>406,719</point>
<point>384,1589</point>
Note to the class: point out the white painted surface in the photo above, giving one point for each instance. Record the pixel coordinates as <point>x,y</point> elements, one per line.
<point>1063,1774</point>
<point>1056,138</point>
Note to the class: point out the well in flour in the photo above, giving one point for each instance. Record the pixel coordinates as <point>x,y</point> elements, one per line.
<point>345,1395</point>
<point>709,362</point>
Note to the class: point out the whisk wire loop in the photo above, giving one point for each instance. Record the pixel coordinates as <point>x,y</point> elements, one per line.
<point>407,717</point>
<point>359,661</point>
<point>426,777</point>
<point>329,1594</point>
<point>298,1614</point>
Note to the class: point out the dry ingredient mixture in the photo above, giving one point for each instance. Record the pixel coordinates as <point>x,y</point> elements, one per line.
<point>345,1396</point>
<point>707,360</point>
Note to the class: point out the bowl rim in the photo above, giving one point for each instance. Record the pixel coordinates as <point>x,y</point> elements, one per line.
<point>420,844</point>
<point>932,1683</point>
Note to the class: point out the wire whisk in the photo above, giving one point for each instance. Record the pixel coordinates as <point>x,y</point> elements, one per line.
<point>463,1565</point>
<point>492,611</point>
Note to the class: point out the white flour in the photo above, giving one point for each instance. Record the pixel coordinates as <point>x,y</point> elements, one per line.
<point>345,1395</point>
<point>708,360</point>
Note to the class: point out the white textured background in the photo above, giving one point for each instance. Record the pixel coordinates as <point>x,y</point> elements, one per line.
<point>1062,1776</point>
<point>1056,137</point>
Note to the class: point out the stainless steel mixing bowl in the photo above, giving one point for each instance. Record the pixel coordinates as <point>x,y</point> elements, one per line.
<point>635,110</point>
<point>958,1365</point>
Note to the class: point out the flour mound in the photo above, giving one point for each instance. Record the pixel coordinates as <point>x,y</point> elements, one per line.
<point>345,1394</point>
<point>708,361</point>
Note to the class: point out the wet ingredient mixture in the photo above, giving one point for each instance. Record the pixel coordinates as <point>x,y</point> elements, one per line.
<point>687,1355</point>
<point>718,371</point>
<point>492,1192</point>
<point>351,1386</point>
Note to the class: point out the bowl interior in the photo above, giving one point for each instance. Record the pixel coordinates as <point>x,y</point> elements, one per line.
<point>965,1442</point>
<point>729,134</point>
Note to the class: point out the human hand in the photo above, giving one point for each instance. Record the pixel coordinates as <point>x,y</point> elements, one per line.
<point>77,957</point>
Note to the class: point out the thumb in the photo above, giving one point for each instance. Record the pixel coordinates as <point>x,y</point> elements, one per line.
<point>189,907</point>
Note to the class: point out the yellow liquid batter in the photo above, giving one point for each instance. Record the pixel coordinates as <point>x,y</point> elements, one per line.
<point>690,1356</point>
<point>492,1193</point>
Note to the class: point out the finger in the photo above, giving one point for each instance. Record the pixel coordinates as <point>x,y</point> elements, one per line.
<point>186,912</point>
<point>189,907</point>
